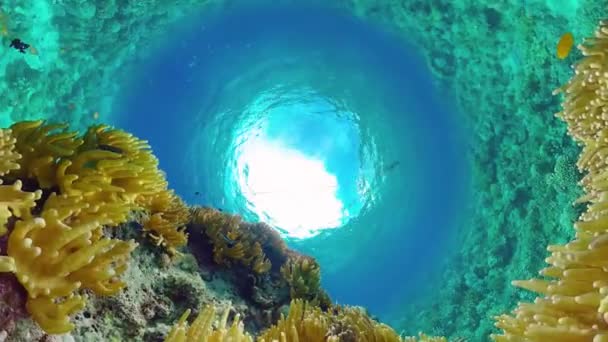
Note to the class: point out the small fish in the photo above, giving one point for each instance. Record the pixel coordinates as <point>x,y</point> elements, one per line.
<point>564,46</point>
<point>95,115</point>
<point>33,50</point>
<point>19,45</point>
<point>110,148</point>
<point>231,243</point>
<point>392,165</point>
<point>71,106</point>
<point>197,193</point>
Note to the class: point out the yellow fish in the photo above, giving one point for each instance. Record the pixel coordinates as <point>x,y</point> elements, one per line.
<point>564,46</point>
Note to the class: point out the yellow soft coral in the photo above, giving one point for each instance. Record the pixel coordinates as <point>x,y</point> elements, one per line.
<point>166,221</point>
<point>98,181</point>
<point>303,275</point>
<point>52,259</point>
<point>136,171</point>
<point>8,155</point>
<point>306,322</point>
<point>113,161</point>
<point>231,240</point>
<point>40,146</point>
<point>202,330</point>
<point>573,295</point>
<point>15,202</point>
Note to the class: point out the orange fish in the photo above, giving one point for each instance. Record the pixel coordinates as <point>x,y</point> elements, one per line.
<point>71,106</point>
<point>96,115</point>
<point>33,50</point>
<point>564,46</point>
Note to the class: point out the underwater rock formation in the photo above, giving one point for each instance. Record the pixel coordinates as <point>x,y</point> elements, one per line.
<point>82,221</point>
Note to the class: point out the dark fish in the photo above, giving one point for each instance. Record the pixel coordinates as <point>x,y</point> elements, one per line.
<point>391,166</point>
<point>110,148</point>
<point>19,45</point>
<point>231,243</point>
<point>197,193</point>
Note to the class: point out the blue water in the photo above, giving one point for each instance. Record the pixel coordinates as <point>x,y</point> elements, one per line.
<point>307,75</point>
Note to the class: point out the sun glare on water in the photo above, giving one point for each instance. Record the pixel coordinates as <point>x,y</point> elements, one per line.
<point>289,189</point>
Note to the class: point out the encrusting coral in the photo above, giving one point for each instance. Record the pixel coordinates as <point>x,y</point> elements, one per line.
<point>202,330</point>
<point>573,293</point>
<point>56,242</point>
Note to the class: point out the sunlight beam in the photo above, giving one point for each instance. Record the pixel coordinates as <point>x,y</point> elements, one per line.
<point>295,192</point>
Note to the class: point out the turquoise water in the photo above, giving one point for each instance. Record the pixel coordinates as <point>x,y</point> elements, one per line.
<point>330,88</point>
<point>410,146</point>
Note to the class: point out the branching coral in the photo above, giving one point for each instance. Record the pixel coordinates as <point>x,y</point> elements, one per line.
<point>306,322</point>
<point>202,329</point>
<point>303,275</point>
<point>573,301</point>
<point>232,242</point>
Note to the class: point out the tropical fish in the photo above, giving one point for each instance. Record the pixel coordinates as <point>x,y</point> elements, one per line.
<point>19,45</point>
<point>96,115</point>
<point>110,148</point>
<point>564,46</point>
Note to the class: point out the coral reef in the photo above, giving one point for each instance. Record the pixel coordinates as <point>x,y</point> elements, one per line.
<point>473,48</point>
<point>303,275</point>
<point>71,212</point>
<point>201,328</point>
<point>167,216</point>
<point>306,322</point>
<point>231,240</point>
<point>264,255</point>
<point>56,244</point>
<point>476,51</point>
<point>572,302</point>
